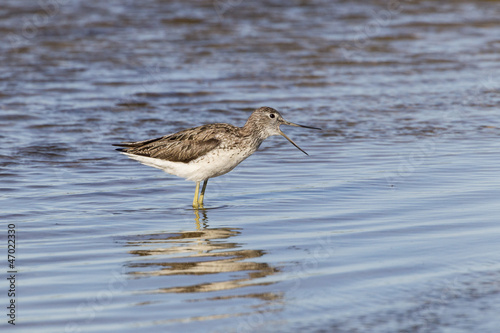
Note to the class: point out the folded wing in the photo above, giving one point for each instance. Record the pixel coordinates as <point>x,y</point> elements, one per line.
<point>184,146</point>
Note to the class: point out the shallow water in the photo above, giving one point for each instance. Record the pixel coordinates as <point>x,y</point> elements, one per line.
<point>390,225</point>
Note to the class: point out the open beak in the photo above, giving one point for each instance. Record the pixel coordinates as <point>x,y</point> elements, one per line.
<point>296,125</point>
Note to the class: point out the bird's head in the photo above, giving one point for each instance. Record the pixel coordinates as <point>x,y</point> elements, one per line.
<point>267,121</point>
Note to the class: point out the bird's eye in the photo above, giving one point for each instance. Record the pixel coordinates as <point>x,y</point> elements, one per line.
<point>272,115</point>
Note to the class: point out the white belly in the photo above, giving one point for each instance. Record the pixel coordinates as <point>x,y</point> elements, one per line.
<point>213,164</point>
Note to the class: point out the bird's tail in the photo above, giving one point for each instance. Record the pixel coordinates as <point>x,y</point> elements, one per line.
<point>130,145</point>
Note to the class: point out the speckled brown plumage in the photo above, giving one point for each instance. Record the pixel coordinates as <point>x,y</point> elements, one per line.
<point>184,146</point>
<point>189,144</point>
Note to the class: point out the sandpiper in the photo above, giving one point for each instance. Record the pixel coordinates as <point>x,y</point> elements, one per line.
<point>208,151</point>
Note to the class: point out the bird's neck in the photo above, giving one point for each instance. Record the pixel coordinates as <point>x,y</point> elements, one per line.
<point>252,129</point>
<point>252,136</point>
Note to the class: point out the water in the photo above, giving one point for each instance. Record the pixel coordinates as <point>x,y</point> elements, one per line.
<point>390,225</point>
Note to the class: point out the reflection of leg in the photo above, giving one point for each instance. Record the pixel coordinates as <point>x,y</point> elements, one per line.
<point>200,223</point>
<point>197,219</point>
<point>203,192</point>
<point>196,192</point>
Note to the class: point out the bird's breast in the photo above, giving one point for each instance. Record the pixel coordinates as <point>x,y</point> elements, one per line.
<point>220,161</point>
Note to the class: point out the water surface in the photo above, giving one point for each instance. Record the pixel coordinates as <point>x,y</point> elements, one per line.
<point>390,225</point>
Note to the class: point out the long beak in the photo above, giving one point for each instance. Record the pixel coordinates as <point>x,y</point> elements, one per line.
<point>296,125</point>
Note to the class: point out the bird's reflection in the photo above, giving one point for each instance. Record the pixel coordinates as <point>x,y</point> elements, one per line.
<point>207,255</point>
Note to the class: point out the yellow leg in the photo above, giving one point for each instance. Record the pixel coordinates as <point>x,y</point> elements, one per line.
<point>196,193</point>
<point>202,195</point>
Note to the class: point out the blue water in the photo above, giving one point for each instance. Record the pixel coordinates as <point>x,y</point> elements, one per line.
<point>390,225</point>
